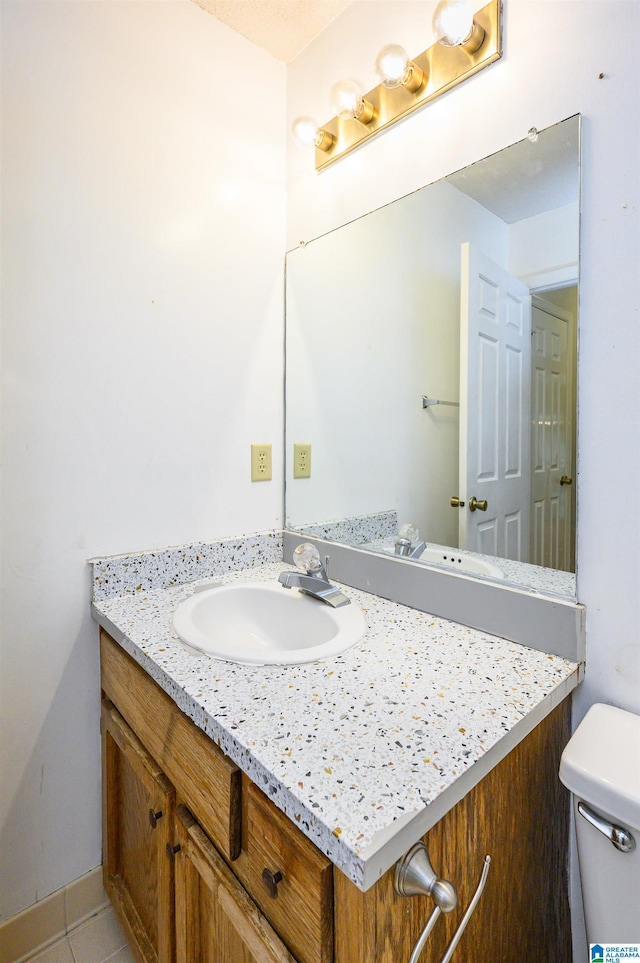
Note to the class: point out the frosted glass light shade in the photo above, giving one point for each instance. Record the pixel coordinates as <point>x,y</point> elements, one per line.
<point>453,22</point>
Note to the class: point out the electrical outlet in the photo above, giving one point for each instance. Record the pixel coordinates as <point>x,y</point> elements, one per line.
<point>302,461</point>
<point>260,463</point>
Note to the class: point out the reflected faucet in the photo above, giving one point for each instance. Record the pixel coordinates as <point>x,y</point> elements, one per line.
<point>312,577</point>
<point>407,544</point>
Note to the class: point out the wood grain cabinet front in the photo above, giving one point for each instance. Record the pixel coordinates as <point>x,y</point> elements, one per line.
<point>216,920</point>
<point>138,813</point>
<point>288,877</point>
<point>184,867</point>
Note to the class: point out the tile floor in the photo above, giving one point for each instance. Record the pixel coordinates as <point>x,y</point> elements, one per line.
<point>98,940</point>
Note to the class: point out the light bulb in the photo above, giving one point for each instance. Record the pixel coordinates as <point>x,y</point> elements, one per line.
<point>452,22</point>
<point>346,99</point>
<point>392,65</point>
<point>349,104</point>
<point>394,69</point>
<point>453,25</point>
<point>307,134</point>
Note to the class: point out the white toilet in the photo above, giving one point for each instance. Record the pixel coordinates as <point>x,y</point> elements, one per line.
<point>601,767</point>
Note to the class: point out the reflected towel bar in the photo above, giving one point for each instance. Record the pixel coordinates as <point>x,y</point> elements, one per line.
<point>427,402</point>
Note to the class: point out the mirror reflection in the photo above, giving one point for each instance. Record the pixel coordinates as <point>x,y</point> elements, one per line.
<point>431,368</point>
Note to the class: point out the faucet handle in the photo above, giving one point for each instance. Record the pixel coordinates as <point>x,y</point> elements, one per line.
<point>306,558</point>
<point>410,532</point>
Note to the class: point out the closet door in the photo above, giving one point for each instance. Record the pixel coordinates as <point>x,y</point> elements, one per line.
<point>216,919</point>
<point>138,815</point>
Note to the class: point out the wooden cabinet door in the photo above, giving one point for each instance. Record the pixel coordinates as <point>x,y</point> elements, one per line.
<point>138,810</point>
<point>300,907</point>
<point>216,919</point>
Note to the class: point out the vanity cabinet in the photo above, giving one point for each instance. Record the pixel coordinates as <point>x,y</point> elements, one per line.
<point>138,827</point>
<point>216,919</point>
<point>239,881</point>
<point>222,876</point>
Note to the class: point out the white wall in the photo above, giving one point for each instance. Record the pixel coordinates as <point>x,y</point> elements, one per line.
<point>561,58</point>
<point>545,249</point>
<point>143,240</point>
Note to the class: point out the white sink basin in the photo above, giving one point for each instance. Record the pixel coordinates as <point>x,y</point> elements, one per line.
<point>263,624</point>
<point>460,562</point>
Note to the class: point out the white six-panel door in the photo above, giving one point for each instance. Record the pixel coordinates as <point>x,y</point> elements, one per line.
<point>495,394</point>
<point>552,406</point>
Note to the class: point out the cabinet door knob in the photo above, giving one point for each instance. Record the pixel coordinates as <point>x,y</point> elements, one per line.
<point>154,817</point>
<point>172,850</point>
<point>270,882</point>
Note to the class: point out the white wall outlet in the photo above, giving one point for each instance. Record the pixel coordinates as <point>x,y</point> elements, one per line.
<point>302,461</point>
<point>260,463</point>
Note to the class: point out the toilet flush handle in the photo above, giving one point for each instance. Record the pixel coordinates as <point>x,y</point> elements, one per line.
<point>621,838</point>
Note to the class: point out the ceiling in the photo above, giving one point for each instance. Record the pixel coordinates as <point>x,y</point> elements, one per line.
<point>281,27</point>
<point>529,177</point>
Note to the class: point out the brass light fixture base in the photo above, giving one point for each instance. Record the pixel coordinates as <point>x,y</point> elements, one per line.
<point>443,68</point>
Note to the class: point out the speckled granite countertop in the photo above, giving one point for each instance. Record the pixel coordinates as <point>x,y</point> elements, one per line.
<point>366,751</point>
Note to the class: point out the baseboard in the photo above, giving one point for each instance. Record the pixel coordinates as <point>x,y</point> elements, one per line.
<point>51,918</point>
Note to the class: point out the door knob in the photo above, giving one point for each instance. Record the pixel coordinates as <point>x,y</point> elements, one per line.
<point>456,503</point>
<point>480,503</point>
<point>566,480</point>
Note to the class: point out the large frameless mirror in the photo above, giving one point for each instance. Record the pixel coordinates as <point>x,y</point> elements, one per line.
<point>431,367</point>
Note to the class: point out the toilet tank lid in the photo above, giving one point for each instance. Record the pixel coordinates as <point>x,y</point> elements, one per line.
<point>601,762</point>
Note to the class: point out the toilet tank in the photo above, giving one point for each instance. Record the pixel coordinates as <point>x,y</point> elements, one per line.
<point>601,767</point>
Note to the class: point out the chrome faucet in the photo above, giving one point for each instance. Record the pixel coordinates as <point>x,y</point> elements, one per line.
<point>312,577</point>
<point>406,543</point>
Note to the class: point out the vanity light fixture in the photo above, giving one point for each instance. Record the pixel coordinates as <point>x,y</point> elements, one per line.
<point>465,43</point>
